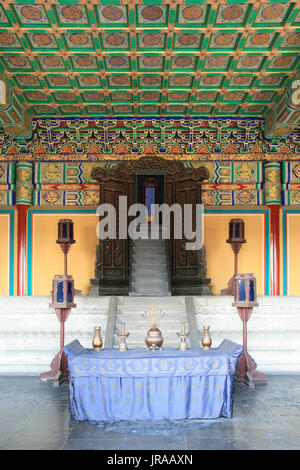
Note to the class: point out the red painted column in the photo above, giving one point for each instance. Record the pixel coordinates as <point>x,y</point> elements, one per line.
<point>21,247</point>
<point>23,202</point>
<point>274,249</point>
<point>272,188</point>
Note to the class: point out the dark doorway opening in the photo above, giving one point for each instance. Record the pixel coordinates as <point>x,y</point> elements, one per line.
<point>150,189</point>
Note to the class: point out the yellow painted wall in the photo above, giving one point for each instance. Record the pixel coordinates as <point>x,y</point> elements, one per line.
<point>220,257</point>
<point>293,254</point>
<point>48,258</point>
<point>4,253</point>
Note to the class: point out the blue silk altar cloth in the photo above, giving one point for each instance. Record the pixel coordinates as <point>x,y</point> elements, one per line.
<point>140,384</point>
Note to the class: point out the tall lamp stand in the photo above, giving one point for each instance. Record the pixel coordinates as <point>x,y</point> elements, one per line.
<point>62,302</point>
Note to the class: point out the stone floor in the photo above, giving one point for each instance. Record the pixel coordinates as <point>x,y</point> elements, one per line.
<point>34,415</point>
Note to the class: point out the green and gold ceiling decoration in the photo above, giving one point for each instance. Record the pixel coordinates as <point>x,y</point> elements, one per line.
<point>138,59</point>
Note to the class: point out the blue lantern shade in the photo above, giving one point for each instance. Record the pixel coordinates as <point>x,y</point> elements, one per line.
<point>245,290</point>
<point>242,291</point>
<point>251,291</point>
<point>236,231</point>
<point>65,231</point>
<point>69,295</point>
<point>60,292</point>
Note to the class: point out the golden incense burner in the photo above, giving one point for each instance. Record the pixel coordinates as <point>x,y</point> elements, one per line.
<point>154,338</point>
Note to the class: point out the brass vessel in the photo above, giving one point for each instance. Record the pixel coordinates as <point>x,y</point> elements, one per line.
<point>154,339</point>
<point>97,340</point>
<point>206,339</point>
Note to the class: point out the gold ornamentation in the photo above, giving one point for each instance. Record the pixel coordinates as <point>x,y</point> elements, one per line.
<point>224,39</point>
<point>31,12</point>
<point>151,39</point>
<point>192,13</point>
<point>272,12</point>
<point>52,172</point>
<point>72,13</point>
<point>90,198</point>
<point>232,12</point>
<point>259,39</point>
<point>152,13</point>
<point>7,39</point>
<point>187,39</point>
<point>245,171</point>
<point>41,39</point>
<point>272,175</point>
<point>79,39</point>
<point>112,13</point>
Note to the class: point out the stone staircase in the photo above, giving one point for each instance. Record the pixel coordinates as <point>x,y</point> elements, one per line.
<point>149,268</point>
<point>129,311</point>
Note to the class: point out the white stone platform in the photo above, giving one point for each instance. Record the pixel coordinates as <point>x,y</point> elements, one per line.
<point>30,335</point>
<point>273,329</point>
<point>29,329</point>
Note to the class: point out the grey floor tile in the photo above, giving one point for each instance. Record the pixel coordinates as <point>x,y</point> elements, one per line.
<point>94,444</point>
<point>35,415</point>
<point>155,443</point>
<point>217,444</point>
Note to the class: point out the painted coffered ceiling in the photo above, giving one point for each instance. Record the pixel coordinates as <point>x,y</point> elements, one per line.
<point>147,58</point>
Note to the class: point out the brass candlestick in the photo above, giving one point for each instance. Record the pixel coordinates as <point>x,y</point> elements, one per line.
<point>123,336</point>
<point>183,338</point>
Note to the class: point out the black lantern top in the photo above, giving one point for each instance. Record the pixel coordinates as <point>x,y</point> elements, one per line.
<point>65,231</point>
<point>236,231</point>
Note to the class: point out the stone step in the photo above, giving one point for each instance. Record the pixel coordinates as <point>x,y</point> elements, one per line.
<point>153,275</point>
<point>149,269</point>
<point>149,293</point>
<point>161,300</point>
<point>153,263</point>
<point>172,327</point>
<point>145,281</point>
<point>154,258</point>
<point>140,249</point>
<point>136,317</point>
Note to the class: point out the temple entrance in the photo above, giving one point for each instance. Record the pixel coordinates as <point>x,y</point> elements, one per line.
<point>150,180</point>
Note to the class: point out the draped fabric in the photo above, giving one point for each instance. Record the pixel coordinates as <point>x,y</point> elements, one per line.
<point>140,384</point>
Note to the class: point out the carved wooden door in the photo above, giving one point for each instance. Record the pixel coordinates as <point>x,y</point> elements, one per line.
<point>113,252</point>
<point>186,262</point>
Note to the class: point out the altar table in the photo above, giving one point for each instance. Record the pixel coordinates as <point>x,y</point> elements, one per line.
<point>140,384</point>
